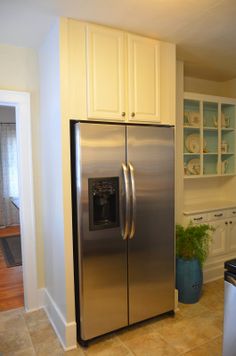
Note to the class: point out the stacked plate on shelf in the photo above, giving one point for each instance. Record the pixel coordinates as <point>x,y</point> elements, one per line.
<point>192,143</point>
<point>193,167</point>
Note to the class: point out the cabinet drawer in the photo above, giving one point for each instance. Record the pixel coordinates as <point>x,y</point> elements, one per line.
<point>231,213</point>
<point>216,215</point>
<point>198,218</point>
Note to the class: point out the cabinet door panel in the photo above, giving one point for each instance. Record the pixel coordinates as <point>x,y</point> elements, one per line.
<point>143,78</point>
<point>232,235</point>
<point>219,238</point>
<point>105,71</point>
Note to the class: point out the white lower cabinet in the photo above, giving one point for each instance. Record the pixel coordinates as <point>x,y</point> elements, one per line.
<point>223,245</point>
<point>219,238</point>
<point>232,235</point>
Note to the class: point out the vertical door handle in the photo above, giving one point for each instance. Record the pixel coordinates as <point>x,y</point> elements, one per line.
<point>231,280</point>
<point>125,225</point>
<point>133,200</point>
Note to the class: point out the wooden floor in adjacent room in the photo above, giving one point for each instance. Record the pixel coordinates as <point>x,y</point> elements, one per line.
<point>11,279</point>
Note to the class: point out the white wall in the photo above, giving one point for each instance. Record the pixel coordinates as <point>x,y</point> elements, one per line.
<point>210,87</point>
<point>230,88</point>
<point>19,71</point>
<point>59,289</point>
<point>51,169</point>
<point>201,86</point>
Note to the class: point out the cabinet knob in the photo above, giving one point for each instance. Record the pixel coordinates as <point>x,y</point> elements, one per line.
<point>226,223</point>
<point>230,222</point>
<point>123,113</point>
<point>133,114</point>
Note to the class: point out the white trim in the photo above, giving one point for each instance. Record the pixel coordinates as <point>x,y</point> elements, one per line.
<point>211,98</point>
<point>66,332</point>
<point>21,102</point>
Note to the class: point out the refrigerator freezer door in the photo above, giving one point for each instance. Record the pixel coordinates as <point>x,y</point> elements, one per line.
<point>100,151</point>
<point>150,150</point>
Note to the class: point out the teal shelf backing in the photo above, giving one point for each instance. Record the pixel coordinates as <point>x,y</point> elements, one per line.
<point>210,164</point>
<point>215,124</point>
<point>227,138</point>
<point>210,141</point>
<point>190,106</point>
<point>229,165</point>
<point>228,111</point>
<point>210,114</point>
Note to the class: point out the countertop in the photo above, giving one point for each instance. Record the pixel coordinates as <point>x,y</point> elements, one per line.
<point>205,207</point>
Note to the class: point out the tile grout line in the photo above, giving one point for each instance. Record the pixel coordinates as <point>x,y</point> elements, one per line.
<point>163,339</point>
<point>123,343</point>
<point>195,347</point>
<point>28,331</point>
<point>204,343</point>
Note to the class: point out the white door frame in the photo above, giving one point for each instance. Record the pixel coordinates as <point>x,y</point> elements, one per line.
<point>21,102</point>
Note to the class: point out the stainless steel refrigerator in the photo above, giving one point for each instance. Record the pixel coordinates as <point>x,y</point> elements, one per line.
<point>124,240</point>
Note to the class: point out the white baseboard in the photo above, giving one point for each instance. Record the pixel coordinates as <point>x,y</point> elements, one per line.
<point>38,301</point>
<point>66,332</point>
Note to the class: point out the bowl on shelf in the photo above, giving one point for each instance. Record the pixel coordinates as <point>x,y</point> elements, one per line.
<point>194,118</point>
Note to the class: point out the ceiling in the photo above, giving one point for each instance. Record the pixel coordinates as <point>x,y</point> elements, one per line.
<point>204,30</point>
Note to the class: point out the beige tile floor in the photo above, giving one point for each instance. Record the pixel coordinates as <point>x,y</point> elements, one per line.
<point>196,330</point>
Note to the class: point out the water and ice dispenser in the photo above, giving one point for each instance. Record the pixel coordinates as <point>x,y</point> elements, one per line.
<point>103,203</point>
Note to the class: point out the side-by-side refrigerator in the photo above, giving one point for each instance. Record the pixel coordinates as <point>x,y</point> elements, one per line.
<point>124,236</point>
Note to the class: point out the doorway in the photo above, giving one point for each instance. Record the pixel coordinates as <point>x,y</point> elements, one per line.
<point>11,274</point>
<point>20,102</point>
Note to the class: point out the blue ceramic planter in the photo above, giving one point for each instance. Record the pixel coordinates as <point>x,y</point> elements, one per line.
<point>188,280</point>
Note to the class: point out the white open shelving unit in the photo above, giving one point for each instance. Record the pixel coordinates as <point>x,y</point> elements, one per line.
<point>209,136</point>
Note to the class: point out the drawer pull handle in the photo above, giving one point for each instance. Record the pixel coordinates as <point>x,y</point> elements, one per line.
<point>226,223</point>
<point>230,222</point>
<point>197,219</point>
<point>218,215</point>
<point>234,212</point>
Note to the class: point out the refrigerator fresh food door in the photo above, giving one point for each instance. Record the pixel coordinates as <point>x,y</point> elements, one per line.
<point>102,250</point>
<point>229,341</point>
<point>150,157</point>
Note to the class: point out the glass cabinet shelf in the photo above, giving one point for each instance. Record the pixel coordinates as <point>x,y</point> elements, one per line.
<point>208,136</point>
<point>210,128</point>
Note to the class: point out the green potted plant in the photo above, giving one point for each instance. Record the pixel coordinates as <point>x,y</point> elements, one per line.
<point>192,248</point>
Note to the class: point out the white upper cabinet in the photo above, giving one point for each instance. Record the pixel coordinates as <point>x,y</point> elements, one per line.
<point>105,73</point>
<point>118,76</point>
<point>123,75</point>
<point>143,78</point>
